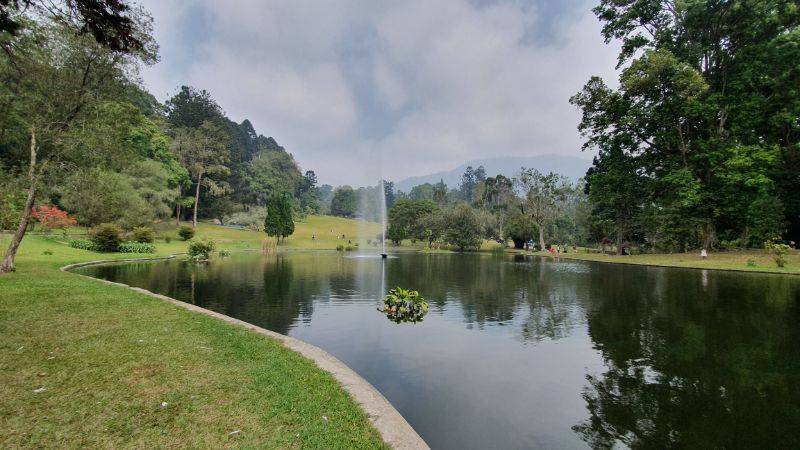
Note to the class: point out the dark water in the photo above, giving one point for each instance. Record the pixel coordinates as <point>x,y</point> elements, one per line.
<point>533,353</point>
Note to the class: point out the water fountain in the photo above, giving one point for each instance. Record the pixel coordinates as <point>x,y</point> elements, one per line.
<point>382,201</point>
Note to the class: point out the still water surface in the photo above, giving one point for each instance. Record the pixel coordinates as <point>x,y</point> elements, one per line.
<point>523,352</point>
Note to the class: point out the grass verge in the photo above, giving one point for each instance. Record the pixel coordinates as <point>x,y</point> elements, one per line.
<point>85,364</point>
<point>744,260</point>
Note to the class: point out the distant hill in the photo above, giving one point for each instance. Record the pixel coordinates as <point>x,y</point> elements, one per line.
<point>571,167</point>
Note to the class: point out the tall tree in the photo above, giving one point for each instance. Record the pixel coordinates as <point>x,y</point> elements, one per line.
<point>54,77</point>
<point>544,197</point>
<point>279,222</point>
<point>204,151</point>
<point>344,202</point>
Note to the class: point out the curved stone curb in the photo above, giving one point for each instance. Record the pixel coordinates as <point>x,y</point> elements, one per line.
<point>394,429</point>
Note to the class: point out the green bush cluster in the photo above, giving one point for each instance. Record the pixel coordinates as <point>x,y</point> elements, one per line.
<point>106,237</point>
<point>136,247</point>
<point>83,244</point>
<point>186,232</point>
<point>200,249</point>
<point>143,235</point>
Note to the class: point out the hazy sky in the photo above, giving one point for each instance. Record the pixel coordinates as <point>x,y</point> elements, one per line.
<point>354,89</point>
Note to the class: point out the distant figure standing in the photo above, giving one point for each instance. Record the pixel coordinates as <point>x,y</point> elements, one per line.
<point>313,237</point>
<point>703,254</point>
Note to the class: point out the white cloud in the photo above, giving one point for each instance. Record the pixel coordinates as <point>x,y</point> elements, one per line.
<point>453,81</point>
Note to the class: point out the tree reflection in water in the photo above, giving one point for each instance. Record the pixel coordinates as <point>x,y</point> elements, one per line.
<point>695,362</point>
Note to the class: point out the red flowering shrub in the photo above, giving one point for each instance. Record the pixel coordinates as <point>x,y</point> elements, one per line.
<point>52,218</point>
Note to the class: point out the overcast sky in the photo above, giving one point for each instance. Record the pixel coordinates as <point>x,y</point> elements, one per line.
<point>356,89</point>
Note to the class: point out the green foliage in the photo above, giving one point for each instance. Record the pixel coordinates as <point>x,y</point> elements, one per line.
<point>83,244</point>
<point>224,253</point>
<point>405,218</point>
<point>200,249</point>
<point>186,232</point>
<point>462,230</point>
<point>779,251</point>
<point>106,237</point>
<point>279,222</point>
<point>340,248</point>
<point>143,235</point>
<point>136,247</point>
<point>519,228</point>
<point>395,233</point>
<point>404,305</point>
<point>96,196</point>
<point>252,219</point>
<point>700,141</point>
<point>344,202</point>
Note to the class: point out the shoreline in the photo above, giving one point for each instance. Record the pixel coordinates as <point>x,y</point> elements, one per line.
<point>391,425</point>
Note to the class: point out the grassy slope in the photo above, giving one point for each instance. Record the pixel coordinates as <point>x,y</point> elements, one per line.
<point>733,260</point>
<point>108,357</point>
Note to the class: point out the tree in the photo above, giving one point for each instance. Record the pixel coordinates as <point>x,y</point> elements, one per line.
<point>388,190</point>
<point>204,153</point>
<point>462,228</point>
<point>707,106</point>
<point>52,218</point>
<point>440,193</point>
<point>54,79</point>
<point>544,200</point>
<point>344,202</point>
<point>519,228</point>
<point>406,215</point>
<point>96,196</point>
<point>106,20</point>
<point>279,222</point>
<point>467,185</point>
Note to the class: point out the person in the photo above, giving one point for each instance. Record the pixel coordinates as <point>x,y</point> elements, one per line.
<point>313,237</point>
<point>703,253</point>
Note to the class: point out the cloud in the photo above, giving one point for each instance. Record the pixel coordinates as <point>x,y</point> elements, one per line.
<point>360,89</point>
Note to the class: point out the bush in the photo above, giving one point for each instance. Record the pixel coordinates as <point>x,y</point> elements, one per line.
<point>186,232</point>
<point>224,253</point>
<point>167,239</point>
<point>778,251</point>
<point>48,252</point>
<point>340,248</point>
<point>106,238</point>
<point>349,248</point>
<point>404,305</point>
<point>201,249</point>
<point>83,244</point>
<point>136,247</point>
<point>144,235</point>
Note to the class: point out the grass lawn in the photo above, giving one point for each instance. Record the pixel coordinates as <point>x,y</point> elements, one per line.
<point>85,364</point>
<point>748,260</point>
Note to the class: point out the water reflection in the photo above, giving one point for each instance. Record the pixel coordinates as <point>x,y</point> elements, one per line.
<point>533,353</point>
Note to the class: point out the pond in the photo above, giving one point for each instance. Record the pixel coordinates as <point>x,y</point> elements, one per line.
<point>524,352</point>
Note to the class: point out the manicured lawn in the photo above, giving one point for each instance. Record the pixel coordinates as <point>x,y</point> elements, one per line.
<point>85,364</point>
<point>749,260</point>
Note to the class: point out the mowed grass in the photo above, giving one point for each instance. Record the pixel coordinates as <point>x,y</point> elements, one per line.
<point>86,364</point>
<point>744,260</point>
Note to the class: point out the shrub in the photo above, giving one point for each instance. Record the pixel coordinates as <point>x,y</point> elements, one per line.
<point>404,305</point>
<point>751,263</point>
<point>144,235</point>
<point>136,247</point>
<point>52,218</point>
<point>201,249</point>
<point>83,244</point>
<point>349,248</point>
<point>778,251</point>
<point>106,238</point>
<point>186,232</point>
<point>167,239</point>
<point>47,252</point>
<point>224,253</point>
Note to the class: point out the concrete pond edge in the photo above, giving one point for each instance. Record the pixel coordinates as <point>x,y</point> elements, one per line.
<point>392,426</point>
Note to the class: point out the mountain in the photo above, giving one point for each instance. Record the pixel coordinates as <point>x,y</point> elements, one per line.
<point>571,167</point>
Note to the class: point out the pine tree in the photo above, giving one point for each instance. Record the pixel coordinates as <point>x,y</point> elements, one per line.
<point>279,222</point>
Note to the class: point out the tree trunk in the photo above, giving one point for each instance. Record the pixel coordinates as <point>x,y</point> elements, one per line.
<point>619,241</point>
<point>16,240</point>
<point>177,214</point>
<point>541,238</point>
<point>196,199</point>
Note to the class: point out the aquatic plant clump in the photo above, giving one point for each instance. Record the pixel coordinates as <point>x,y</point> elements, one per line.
<point>404,305</point>
<point>200,250</point>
